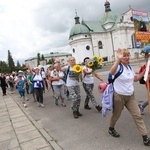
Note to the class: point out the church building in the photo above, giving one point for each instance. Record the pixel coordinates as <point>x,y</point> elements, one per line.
<point>104,36</point>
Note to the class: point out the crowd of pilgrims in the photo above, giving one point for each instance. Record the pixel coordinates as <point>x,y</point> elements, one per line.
<point>56,78</point>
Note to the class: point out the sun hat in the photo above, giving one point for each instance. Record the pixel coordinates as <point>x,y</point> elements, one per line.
<point>20,71</point>
<point>36,68</point>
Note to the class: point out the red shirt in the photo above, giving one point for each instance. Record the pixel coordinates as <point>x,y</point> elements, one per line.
<point>141,70</point>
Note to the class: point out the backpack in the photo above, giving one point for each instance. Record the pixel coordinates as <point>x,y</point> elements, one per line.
<point>108,94</point>
<point>66,74</point>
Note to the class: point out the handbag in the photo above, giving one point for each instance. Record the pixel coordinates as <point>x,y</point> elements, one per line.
<point>142,81</point>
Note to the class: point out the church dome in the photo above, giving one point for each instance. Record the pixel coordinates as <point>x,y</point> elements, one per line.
<point>108,17</point>
<point>79,29</point>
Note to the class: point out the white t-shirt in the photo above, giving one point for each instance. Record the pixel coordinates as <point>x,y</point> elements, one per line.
<point>43,74</point>
<point>55,74</point>
<point>72,77</point>
<point>124,83</point>
<point>37,80</point>
<point>87,78</point>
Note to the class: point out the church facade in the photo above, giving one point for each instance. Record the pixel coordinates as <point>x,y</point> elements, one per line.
<point>103,37</point>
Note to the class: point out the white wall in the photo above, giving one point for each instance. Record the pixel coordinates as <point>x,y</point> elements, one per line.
<point>79,43</point>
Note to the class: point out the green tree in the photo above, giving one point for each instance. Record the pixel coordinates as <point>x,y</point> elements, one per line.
<point>51,61</point>
<point>11,63</point>
<point>3,67</point>
<point>42,57</point>
<point>38,59</point>
<point>18,66</point>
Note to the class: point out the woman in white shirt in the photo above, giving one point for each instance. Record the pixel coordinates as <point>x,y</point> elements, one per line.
<point>124,95</point>
<point>88,85</point>
<point>56,78</point>
<point>43,73</point>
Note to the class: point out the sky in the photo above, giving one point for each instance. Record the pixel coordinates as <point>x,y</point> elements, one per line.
<point>28,27</point>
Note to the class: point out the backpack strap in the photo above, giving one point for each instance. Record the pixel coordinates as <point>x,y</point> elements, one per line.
<point>68,69</point>
<point>66,74</point>
<point>110,76</point>
<point>119,72</point>
<point>111,79</point>
<point>130,67</point>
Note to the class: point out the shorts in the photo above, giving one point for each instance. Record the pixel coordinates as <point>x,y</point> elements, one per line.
<point>22,93</point>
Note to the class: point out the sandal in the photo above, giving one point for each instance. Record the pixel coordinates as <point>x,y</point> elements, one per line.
<point>147,142</point>
<point>114,133</point>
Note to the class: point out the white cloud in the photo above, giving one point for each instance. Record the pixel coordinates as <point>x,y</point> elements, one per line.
<point>31,26</point>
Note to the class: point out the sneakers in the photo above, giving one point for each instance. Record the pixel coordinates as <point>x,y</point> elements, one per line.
<point>42,105</point>
<point>25,105</point>
<point>114,133</point>
<point>56,101</point>
<point>99,108</point>
<point>141,109</point>
<point>27,99</point>
<point>147,142</point>
<point>75,114</point>
<point>63,105</point>
<point>87,107</point>
<point>78,113</point>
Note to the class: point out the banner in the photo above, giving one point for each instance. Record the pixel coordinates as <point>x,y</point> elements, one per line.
<point>141,26</point>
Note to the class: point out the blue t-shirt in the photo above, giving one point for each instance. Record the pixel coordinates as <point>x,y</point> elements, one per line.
<point>21,84</point>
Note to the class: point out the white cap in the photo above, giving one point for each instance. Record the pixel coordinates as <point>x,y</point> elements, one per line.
<point>20,71</point>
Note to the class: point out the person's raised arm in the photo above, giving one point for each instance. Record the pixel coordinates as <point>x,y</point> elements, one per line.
<point>28,66</point>
<point>119,56</point>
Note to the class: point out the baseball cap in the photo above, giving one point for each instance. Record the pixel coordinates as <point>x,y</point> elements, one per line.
<point>20,71</point>
<point>19,75</point>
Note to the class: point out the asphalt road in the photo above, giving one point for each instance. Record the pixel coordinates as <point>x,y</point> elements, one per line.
<point>89,132</point>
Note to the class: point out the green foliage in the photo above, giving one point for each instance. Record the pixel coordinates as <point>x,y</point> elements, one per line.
<point>9,66</point>
<point>42,57</point>
<point>18,67</point>
<point>38,59</point>
<point>11,63</point>
<point>4,67</point>
<point>51,61</point>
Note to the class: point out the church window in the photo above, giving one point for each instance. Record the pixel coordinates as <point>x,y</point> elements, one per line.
<point>73,50</point>
<point>100,45</point>
<point>87,47</point>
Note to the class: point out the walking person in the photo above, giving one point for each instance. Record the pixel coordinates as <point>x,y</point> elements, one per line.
<point>43,73</point>
<point>31,86</point>
<point>58,84</point>
<point>3,83</point>
<point>50,69</point>
<point>124,95</point>
<point>11,84</point>
<point>21,84</point>
<point>88,85</point>
<point>24,79</point>
<point>142,68</point>
<point>73,87</point>
<point>38,85</point>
